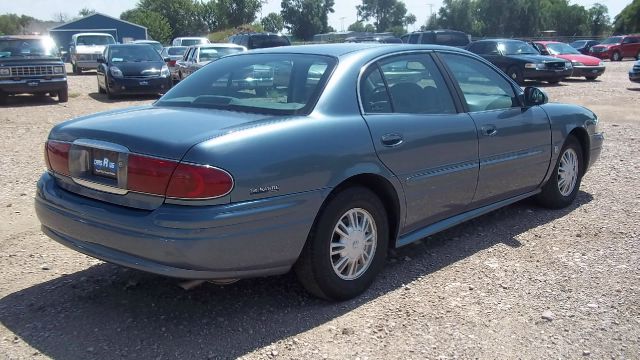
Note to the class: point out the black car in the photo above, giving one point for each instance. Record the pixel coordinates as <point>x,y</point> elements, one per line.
<point>634,73</point>
<point>521,61</point>
<point>31,64</point>
<point>132,69</point>
<point>259,40</point>
<point>583,46</point>
<point>437,37</point>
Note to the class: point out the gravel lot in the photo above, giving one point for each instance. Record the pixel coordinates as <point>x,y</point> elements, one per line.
<point>522,282</point>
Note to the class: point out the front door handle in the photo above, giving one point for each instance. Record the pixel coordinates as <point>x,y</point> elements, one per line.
<point>489,130</point>
<point>391,140</point>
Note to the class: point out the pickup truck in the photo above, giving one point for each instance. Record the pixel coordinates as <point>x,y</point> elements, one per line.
<point>85,48</point>
<point>31,64</point>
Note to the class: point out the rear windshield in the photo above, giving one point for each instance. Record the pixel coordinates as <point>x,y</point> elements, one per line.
<point>189,42</point>
<point>95,40</point>
<point>212,53</point>
<point>452,39</point>
<point>267,41</point>
<point>284,84</point>
<point>28,47</point>
<point>133,53</point>
<point>177,50</point>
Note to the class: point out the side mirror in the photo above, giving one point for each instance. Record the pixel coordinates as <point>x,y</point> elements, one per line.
<point>534,96</point>
<point>101,60</point>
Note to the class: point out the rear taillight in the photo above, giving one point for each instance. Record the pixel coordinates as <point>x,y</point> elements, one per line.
<point>199,182</point>
<point>171,63</point>
<point>57,156</point>
<point>149,175</point>
<point>176,180</point>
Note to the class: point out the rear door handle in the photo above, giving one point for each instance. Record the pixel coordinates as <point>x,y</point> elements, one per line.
<point>391,140</point>
<point>489,130</point>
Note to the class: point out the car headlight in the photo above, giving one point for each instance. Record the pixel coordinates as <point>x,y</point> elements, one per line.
<point>164,72</point>
<point>5,71</point>
<point>115,72</point>
<point>577,63</point>
<point>58,69</point>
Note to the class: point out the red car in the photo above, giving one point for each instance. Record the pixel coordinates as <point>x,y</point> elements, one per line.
<point>583,65</point>
<point>618,47</point>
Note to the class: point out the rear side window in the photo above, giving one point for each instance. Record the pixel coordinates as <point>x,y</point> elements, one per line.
<point>483,88</point>
<point>452,39</point>
<point>412,83</point>
<point>428,38</point>
<point>413,39</point>
<point>267,41</point>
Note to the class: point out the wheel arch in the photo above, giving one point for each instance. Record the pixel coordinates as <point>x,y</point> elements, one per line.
<point>583,139</point>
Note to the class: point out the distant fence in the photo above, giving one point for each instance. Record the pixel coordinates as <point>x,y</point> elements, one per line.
<point>565,39</point>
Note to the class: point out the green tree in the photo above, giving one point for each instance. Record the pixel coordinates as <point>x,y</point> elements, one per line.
<point>158,27</point>
<point>386,14</point>
<point>232,13</point>
<point>208,13</point>
<point>273,22</point>
<point>305,18</point>
<point>457,14</point>
<point>12,24</point>
<point>182,15</point>
<point>360,26</point>
<point>628,21</point>
<point>599,20</point>
<point>86,12</point>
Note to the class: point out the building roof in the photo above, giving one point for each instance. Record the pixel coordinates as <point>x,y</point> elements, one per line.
<point>91,15</point>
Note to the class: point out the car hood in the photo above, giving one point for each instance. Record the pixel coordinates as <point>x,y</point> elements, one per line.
<point>585,59</point>
<point>89,49</point>
<point>143,68</point>
<point>534,58</point>
<point>164,132</point>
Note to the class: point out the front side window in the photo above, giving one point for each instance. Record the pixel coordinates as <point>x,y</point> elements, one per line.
<point>483,87</point>
<point>262,83</point>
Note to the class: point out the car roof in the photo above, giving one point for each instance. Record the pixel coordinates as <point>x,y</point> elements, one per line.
<point>219,45</point>
<point>498,40</point>
<point>544,42</point>
<point>145,42</point>
<point>342,49</point>
<point>189,37</point>
<point>91,33</point>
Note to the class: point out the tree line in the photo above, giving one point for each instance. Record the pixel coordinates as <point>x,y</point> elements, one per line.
<point>528,18</point>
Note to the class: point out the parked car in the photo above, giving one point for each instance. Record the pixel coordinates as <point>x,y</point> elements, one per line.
<point>583,65</point>
<point>583,46</point>
<point>198,56</point>
<point>155,44</point>
<point>85,48</point>
<point>322,176</point>
<point>373,39</point>
<point>617,48</point>
<point>31,64</point>
<point>634,73</point>
<point>132,69</point>
<point>259,40</point>
<point>521,61</point>
<point>438,37</point>
<point>189,40</point>
<point>173,53</point>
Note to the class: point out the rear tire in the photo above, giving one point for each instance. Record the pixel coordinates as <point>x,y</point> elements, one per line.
<point>76,69</point>
<point>346,247</point>
<point>563,185</point>
<point>516,75</point>
<point>553,81</point>
<point>63,95</point>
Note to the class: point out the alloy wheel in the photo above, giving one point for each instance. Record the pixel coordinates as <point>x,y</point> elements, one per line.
<point>568,172</point>
<point>353,244</point>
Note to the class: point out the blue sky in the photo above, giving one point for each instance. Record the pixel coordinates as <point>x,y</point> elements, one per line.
<point>345,12</point>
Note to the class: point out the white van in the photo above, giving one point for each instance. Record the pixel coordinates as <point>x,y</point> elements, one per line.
<point>85,48</point>
<point>188,41</point>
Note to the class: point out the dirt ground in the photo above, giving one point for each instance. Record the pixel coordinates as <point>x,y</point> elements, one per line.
<point>522,282</point>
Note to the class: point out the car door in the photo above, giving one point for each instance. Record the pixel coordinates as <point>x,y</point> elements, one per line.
<point>420,135</point>
<point>514,141</point>
<point>101,70</point>
<point>630,46</point>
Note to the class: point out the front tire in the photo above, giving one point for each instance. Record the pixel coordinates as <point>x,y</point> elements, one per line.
<point>562,188</point>
<point>346,247</point>
<point>616,56</point>
<point>63,95</point>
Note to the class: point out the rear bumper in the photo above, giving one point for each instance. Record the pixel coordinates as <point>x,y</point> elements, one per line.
<point>32,85</point>
<point>591,71</point>
<point>123,86</point>
<point>257,238</point>
<point>534,74</point>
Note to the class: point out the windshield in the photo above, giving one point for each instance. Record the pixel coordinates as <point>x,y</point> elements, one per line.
<point>613,40</point>
<point>133,53</point>
<point>517,48</point>
<point>28,47</point>
<point>267,41</point>
<point>262,83</point>
<point>559,49</point>
<point>177,50</point>
<point>212,53</point>
<point>95,40</point>
<point>189,42</point>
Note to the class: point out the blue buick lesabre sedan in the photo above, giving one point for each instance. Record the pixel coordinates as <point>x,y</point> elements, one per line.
<point>313,158</point>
